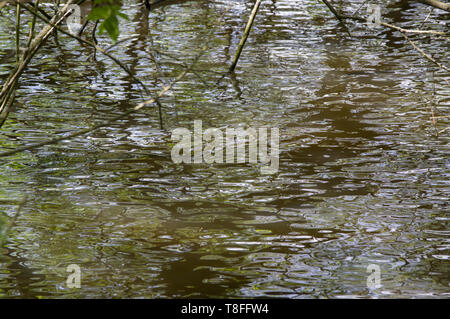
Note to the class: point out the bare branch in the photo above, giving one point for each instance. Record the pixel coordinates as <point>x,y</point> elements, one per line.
<point>427,56</point>
<point>437,4</point>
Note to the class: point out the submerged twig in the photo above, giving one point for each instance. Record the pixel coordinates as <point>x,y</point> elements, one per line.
<point>437,4</point>
<point>107,123</point>
<point>13,220</point>
<point>432,105</point>
<point>10,84</point>
<point>391,26</point>
<point>403,32</point>
<point>32,26</point>
<point>427,56</point>
<point>337,15</point>
<point>17,33</point>
<point>93,45</point>
<point>426,19</point>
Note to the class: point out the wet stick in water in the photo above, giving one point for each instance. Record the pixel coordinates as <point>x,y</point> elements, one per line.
<point>13,221</point>
<point>17,33</point>
<point>32,26</point>
<point>337,15</point>
<point>10,84</point>
<point>437,4</point>
<point>245,36</point>
<point>104,124</point>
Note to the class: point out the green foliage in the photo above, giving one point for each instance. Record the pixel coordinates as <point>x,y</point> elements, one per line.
<point>107,11</point>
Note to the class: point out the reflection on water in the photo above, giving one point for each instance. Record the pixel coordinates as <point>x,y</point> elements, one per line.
<point>363,178</point>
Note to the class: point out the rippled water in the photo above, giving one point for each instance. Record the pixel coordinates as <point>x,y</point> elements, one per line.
<point>363,178</point>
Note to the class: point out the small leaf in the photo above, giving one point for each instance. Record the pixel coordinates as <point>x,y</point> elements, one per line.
<point>108,13</point>
<point>100,13</point>
<point>111,25</point>
<point>122,15</point>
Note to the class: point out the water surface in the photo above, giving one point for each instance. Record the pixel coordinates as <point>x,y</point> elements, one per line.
<point>363,177</point>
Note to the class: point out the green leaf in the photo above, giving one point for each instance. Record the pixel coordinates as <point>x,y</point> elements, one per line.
<point>111,25</point>
<point>100,13</point>
<point>107,12</point>
<point>122,15</point>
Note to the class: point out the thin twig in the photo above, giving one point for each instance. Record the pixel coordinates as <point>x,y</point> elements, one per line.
<point>245,36</point>
<point>391,26</point>
<point>437,4</point>
<point>7,92</point>
<point>95,46</point>
<point>403,32</point>
<point>13,220</point>
<point>432,105</point>
<point>106,123</point>
<point>194,71</point>
<point>17,34</point>
<point>35,45</point>
<point>7,102</point>
<point>359,8</point>
<point>428,57</point>
<point>119,117</point>
<point>33,23</point>
<point>337,15</point>
<point>135,36</point>
<point>426,19</point>
<point>181,61</point>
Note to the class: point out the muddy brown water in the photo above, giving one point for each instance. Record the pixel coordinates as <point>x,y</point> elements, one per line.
<point>363,178</point>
